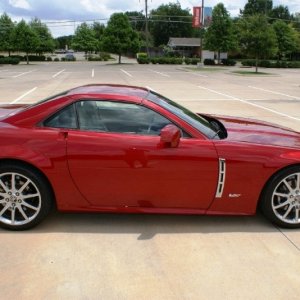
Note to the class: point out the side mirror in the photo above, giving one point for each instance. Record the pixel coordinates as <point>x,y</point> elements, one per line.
<point>170,136</point>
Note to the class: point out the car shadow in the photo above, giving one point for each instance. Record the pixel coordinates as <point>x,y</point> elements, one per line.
<point>147,226</point>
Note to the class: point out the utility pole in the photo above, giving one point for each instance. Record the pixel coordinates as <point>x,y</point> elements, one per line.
<point>201,31</point>
<point>147,33</point>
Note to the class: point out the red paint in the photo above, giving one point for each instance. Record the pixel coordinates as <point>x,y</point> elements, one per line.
<point>114,172</point>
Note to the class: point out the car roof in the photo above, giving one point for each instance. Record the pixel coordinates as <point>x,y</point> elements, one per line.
<point>109,89</point>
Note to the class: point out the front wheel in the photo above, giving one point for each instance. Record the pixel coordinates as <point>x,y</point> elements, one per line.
<point>25,198</point>
<point>281,199</point>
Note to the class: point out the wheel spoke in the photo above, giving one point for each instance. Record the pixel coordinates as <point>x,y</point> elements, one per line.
<point>287,212</point>
<point>281,195</point>
<point>3,186</point>
<point>288,186</point>
<point>2,201</point>
<point>30,206</point>
<point>281,204</point>
<point>23,213</point>
<point>13,182</point>
<point>30,196</point>
<point>13,216</point>
<point>24,186</point>
<point>4,210</point>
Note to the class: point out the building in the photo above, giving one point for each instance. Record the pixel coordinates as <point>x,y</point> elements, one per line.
<point>190,47</point>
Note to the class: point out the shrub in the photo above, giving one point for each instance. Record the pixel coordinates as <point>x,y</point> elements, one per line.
<point>141,54</point>
<point>96,58</point>
<point>154,60</point>
<point>49,58</point>
<point>19,57</point>
<point>105,56</point>
<point>265,64</point>
<point>228,62</point>
<point>63,59</point>
<point>56,59</point>
<point>9,60</point>
<point>187,60</point>
<point>143,60</point>
<point>195,60</point>
<point>248,62</point>
<point>209,62</point>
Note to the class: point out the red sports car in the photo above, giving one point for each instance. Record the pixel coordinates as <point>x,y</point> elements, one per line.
<point>114,148</point>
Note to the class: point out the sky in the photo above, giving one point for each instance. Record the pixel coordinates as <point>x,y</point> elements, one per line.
<point>55,13</point>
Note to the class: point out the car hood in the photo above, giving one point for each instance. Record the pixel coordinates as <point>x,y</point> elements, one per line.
<point>259,132</point>
<point>10,109</point>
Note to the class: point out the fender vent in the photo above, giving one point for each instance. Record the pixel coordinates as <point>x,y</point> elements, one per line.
<point>222,175</point>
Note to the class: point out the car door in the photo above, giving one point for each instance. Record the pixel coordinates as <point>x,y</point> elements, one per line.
<point>116,160</point>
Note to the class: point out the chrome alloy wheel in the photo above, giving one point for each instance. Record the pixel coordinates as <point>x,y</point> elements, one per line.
<point>20,199</point>
<point>286,199</point>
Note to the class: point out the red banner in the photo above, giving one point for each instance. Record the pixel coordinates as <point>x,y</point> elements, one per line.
<point>197,16</point>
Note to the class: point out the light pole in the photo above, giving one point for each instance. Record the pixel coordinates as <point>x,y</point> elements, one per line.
<point>201,31</point>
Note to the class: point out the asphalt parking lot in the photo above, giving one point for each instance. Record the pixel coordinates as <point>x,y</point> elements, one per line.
<point>104,256</point>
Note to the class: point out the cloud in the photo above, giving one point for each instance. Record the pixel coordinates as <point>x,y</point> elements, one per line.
<point>23,4</point>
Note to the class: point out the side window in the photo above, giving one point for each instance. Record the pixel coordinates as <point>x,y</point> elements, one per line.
<point>65,118</point>
<point>122,117</point>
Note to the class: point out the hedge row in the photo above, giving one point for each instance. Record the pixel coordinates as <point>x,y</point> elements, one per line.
<point>271,64</point>
<point>9,60</point>
<point>144,59</point>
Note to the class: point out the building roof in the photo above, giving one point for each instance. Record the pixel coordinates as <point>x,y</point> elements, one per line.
<point>184,42</point>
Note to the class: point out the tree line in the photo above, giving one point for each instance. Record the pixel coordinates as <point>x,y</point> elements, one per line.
<point>260,31</point>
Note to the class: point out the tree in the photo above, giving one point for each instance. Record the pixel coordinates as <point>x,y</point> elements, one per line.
<point>25,39</point>
<point>64,42</point>
<point>6,31</point>
<point>254,7</point>
<point>46,42</point>
<point>170,20</point>
<point>98,29</point>
<point>286,38</point>
<point>84,39</point>
<point>280,12</point>
<point>136,19</point>
<point>119,37</point>
<point>220,35</point>
<point>257,37</point>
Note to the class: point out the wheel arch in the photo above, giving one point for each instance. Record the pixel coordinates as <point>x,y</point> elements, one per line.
<point>9,161</point>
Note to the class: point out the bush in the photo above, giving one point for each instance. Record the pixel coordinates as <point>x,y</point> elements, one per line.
<point>209,62</point>
<point>9,60</point>
<point>63,59</point>
<point>265,64</point>
<point>49,58</point>
<point>96,58</point>
<point>56,59</point>
<point>187,60</point>
<point>154,60</point>
<point>141,54</point>
<point>143,60</point>
<point>19,57</point>
<point>248,62</point>
<point>105,56</point>
<point>228,62</point>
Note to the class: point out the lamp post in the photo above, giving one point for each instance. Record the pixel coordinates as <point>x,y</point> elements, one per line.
<point>201,25</point>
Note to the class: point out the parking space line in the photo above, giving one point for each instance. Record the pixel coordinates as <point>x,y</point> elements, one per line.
<point>24,95</point>
<point>93,72</point>
<point>272,92</point>
<point>128,74</point>
<point>253,104</point>
<point>196,74</point>
<point>23,73</point>
<point>56,74</point>
<point>160,73</point>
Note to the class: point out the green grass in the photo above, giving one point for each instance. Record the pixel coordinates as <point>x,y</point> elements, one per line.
<point>205,69</point>
<point>252,73</point>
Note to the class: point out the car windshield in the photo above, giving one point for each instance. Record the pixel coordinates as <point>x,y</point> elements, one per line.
<point>190,117</point>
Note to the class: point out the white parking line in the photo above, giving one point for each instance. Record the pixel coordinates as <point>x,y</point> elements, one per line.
<point>128,74</point>
<point>58,73</point>
<point>253,104</point>
<point>160,73</point>
<point>25,94</point>
<point>272,92</point>
<point>23,73</point>
<point>93,72</point>
<point>196,74</point>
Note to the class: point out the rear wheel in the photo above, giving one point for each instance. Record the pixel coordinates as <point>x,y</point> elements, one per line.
<point>281,199</point>
<point>25,197</point>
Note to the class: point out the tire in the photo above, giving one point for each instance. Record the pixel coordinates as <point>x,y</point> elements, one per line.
<point>25,197</point>
<point>280,200</point>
